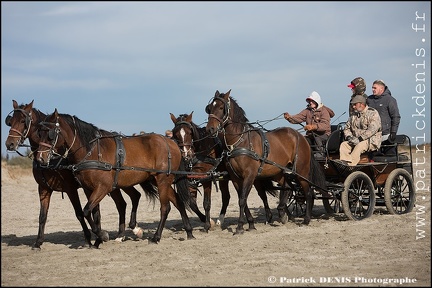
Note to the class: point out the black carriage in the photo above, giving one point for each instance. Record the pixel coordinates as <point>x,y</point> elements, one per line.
<point>381,178</point>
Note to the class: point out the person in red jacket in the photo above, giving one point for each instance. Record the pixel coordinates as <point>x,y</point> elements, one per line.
<point>317,118</point>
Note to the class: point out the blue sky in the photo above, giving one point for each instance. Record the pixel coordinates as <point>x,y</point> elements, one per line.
<point>124,66</point>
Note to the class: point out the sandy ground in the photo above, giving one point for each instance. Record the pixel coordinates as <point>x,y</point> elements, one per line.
<point>331,251</point>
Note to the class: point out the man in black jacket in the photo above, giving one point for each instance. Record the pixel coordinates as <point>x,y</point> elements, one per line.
<point>387,107</point>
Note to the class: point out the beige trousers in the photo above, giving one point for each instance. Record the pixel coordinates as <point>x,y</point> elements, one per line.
<point>351,154</point>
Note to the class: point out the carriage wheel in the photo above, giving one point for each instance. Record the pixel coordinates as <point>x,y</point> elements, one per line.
<point>332,205</point>
<point>296,203</point>
<point>358,197</point>
<point>399,192</point>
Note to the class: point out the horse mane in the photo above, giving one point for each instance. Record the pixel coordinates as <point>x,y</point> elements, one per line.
<point>239,114</point>
<point>87,132</point>
<point>36,112</point>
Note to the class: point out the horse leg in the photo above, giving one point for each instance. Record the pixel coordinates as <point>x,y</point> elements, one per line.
<point>165,208</point>
<point>74,199</point>
<point>44,199</point>
<point>92,206</point>
<point>135,196</point>
<point>282,208</point>
<point>185,219</point>
<point>121,208</point>
<point>249,218</point>
<point>223,186</point>
<point>193,205</point>
<point>166,195</point>
<point>243,193</point>
<point>309,201</point>
<point>207,205</point>
<point>263,195</point>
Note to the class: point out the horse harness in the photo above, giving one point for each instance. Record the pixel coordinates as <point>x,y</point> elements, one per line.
<point>120,156</point>
<point>238,151</point>
<point>234,150</point>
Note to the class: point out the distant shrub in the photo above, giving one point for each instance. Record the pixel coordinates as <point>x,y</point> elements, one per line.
<point>23,162</point>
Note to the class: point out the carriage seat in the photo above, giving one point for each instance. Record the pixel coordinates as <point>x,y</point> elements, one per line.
<point>388,152</point>
<point>322,152</point>
<point>334,141</point>
<point>333,144</point>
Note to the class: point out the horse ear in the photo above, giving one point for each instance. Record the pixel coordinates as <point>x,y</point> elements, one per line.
<point>189,118</point>
<point>227,95</point>
<point>56,114</point>
<point>14,104</point>
<point>217,93</point>
<point>173,118</point>
<point>29,107</point>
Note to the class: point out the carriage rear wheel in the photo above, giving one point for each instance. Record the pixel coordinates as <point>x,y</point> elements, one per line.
<point>399,192</point>
<point>358,197</point>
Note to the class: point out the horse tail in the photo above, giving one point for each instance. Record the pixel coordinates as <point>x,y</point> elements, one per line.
<point>267,183</point>
<point>182,185</point>
<point>316,174</point>
<point>151,191</point>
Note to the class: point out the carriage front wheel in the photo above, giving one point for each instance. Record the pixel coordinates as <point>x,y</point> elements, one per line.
<point>399,192</point>
<point>358,197</point>
<point>332,205</point>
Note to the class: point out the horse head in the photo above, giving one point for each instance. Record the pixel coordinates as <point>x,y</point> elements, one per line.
<point>219,112</point>
<point>54,138</point>
<point>183,134</point>
<point>20,122</point>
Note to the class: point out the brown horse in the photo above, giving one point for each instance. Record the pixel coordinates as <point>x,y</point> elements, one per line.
<point>24,123</point>
<point>204,153</point>
<point>103,161</point>
<point>282,154</point>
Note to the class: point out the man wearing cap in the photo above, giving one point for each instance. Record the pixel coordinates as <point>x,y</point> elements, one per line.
<point>362,132</point>
<point>358,87</point>
<point>317,118</point>
<point>387,107</point>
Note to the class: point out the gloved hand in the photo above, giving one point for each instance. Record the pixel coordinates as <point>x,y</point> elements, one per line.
<point>392,137</point>
<point>353,141</point>
<point>310,127</point>
<point>288,117</point>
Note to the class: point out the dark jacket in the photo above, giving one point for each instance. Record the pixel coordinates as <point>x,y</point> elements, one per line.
<point>387,107</point>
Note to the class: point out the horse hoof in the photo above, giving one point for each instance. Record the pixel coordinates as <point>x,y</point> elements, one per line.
<point>138,232</point>
<point>105,236</point>
<point>284,219</point>
<point>153,241</point>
